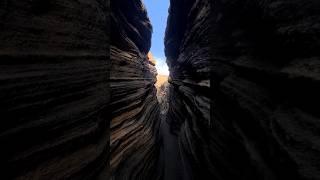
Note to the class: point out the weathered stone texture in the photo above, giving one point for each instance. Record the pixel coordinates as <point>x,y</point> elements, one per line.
<point>134,106</point>
<point>258,63</point>
<point>54,89</point>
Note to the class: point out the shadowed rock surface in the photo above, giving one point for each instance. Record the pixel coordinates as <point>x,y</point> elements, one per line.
<point>134,106</point>
<point>187,50</point>
<point>243,93</point>
<point>258,62</point>
<point>54,89</point>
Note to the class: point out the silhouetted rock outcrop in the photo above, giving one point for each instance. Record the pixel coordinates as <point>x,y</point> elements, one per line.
<point>134,106</point>
<point>54,89</point>
<point>256,65</point>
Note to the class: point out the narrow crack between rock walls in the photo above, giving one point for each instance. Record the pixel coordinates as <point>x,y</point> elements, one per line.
<point>173,166</point>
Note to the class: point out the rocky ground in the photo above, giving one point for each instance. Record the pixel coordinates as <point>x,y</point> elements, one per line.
<point>162,96</point>
<point>173,165</point>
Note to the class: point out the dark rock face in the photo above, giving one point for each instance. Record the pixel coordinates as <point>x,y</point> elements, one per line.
<point>54,89</point>
<point>134,107</point>
<point>256,65</point>
<point>243,94</point>
<point>187,51</point>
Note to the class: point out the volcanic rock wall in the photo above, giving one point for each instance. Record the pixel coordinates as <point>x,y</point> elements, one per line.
<point>134,107</point>
<point>54,89</point>
<point>256,65</point>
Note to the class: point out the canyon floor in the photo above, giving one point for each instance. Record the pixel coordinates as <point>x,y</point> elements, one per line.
<point>173,166</point>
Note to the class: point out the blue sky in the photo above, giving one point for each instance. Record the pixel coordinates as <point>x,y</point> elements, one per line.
<point>158,13</point>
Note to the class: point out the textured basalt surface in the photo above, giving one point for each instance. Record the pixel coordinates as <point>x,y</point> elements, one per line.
<point>134,106</point>
<point>54,89</point>
<point>244,87</point>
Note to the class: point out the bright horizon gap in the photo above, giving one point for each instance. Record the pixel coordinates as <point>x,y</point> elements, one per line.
<point>161,66</point>
<point>158,13</point>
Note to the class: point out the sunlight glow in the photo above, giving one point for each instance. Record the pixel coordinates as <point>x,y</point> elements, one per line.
<point>158,13</point>
<point>161,66</point>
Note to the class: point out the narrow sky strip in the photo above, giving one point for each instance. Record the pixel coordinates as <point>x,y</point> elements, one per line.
<point>158,13</point>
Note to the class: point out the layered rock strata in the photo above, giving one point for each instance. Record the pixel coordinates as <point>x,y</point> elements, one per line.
<point>134,107</point>
<point>256,65</point>
<point>54,89</point>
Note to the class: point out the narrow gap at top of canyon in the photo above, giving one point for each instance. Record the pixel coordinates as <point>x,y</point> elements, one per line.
<point>235,106</point>
<point>78,96</point>
<point>171,161</point>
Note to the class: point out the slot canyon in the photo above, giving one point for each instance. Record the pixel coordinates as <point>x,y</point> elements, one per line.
<point>78,97</point>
